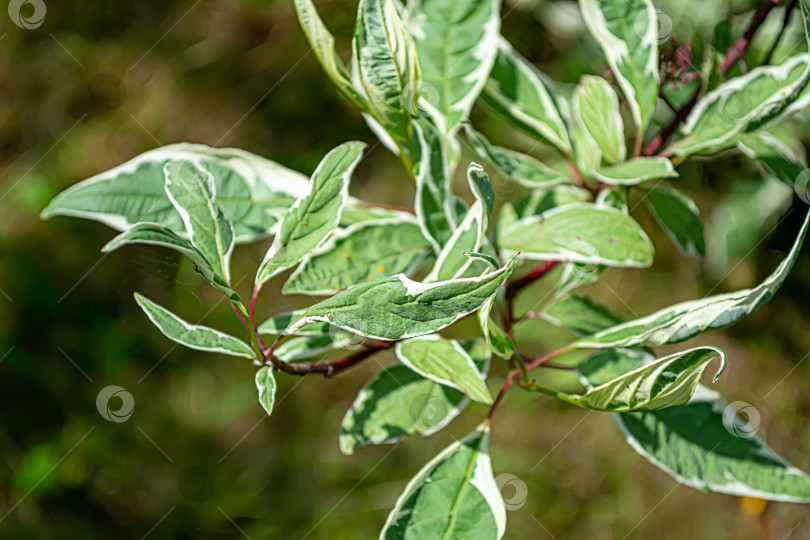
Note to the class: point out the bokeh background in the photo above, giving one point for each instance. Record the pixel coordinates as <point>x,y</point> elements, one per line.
<point>98,83</point>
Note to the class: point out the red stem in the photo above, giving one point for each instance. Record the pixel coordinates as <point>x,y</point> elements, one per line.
<point>536,273</point>
<point>328,369</point>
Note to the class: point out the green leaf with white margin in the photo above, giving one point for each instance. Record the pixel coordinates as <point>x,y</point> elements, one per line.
<point>520,168</point>
<point>364,252</point>
<point>399,402</point>
<point>266,385</point>
<point>526,97</point>
<point>665,382</point>
<point>469,236</point>
<point>613,197</point>
<point>385,66</point>
<point>496,338</point>
<point>305,347</point>
<point>444,361</point>
<point>252,192</point>
<point>587,154</point>
<point>457,44</point>
<point>158,235</point>
<point>778,160</point>
<point>397,307</point>
<point>537,202</point>
<point>680,218</point>
<point>279,325</point>
<point>434,199</point>
<point>323,44</point>
<point>453,496</point>
<point>627,31</point>
<point>742,104</point>
<point>693,444</point>
<point>635,171</point>
<point>193,336</point>
<point>687,319</point>
<point>314,216</point>
<point>580,314</point>
<point>192,191</point>
<point>596,108</point>
<point>583,233</point>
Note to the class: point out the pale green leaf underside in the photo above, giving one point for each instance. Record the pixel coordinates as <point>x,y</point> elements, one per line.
<point>192,191</point>
<point>518,167</point>
<point>397,307</point>
<point>399,402</point>
<point>252,192</point>
<point>314,216</point>
<point>596,108</point>
<point>524,96</point>
<point>692,444</point>
<point>635,171</point>
<point>158,235</point>
<point>280,324</point>
<point>665,382</point>
<point>580,314</point>
<point>777,160</point>
<point>364,252</point>
<point>445,362</point>
<point>685,320</point>
<point>583,233</point>
<point>193,336</point>
<point>266,385</point>
<point>457,44</point>
<point>680,218</point>
<point>627,31</point>
<point>454,496</point>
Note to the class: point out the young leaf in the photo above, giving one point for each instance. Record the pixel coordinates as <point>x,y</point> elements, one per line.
<point>434,199</point>
<point>596,108</point>
<point>252,192</point>
<point>457,44</point>
<point>193,336</point>
<point>397,308</point>
<point>680,217</point>
<point>453,496</point>
<point>687,319</point>
<point>665,382</point>
<point>469,236</point>
<point>613,197</point>
<point>526,97</point>
<point>191,190</point>
<point>627,31</point>
<point>496,338</point>
<point>636,171</point>
<point>386,65</point>
<point>158,235</point>
<point>580,314</point>
<point>279,325</point>
<point>323,44</point>
<point>445,362</point>
<point>520,168</point>
<point>742,104</point>
<point>360,253</point>
<point>314,216</point>
<point>697,443</point>
<point>583,233</point>
<point>399,402</point>
<point>266,384</point>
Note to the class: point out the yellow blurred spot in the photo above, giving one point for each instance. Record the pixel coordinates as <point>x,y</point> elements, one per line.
<point>752,507</point>
<point>381,269</point>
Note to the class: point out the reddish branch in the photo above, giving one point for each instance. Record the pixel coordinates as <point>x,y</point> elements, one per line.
<point>330,368</point>
<point>536,273</point>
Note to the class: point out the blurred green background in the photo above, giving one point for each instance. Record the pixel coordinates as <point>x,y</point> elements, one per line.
<point>98,83</point>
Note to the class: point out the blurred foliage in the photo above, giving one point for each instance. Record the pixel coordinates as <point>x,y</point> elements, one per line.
<point>99,83</point>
